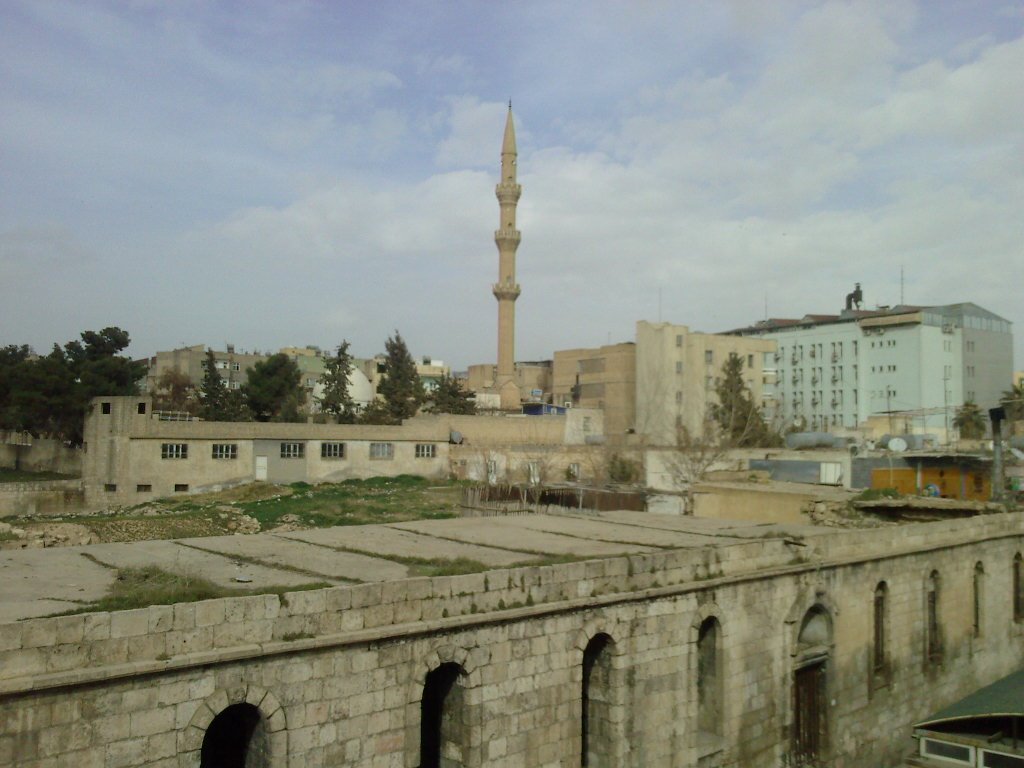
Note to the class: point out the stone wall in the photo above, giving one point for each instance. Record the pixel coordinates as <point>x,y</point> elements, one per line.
<point>42,455</point>
<point>337,675</point>
<point>50,497</point>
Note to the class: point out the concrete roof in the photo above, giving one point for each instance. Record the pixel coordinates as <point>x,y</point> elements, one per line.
<point>42,582</point>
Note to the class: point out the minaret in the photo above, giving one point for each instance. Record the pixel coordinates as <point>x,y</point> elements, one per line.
<point>506,290</point>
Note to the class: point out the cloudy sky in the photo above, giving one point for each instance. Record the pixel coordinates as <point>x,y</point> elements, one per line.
<point>286,173</point>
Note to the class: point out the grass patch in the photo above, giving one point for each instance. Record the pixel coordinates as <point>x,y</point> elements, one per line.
<point>21,476</point>
<point>143,587</point>
<point>358,502</point>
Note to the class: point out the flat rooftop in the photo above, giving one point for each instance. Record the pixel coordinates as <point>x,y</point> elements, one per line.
<point>43,582</point>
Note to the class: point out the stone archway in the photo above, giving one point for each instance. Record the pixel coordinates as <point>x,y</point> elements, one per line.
<point>243,728</point>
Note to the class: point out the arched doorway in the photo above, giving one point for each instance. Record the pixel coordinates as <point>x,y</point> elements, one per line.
<point>443,726</point>
<point>596,720</point>
<point>810,688</point>
<point>236,738</point>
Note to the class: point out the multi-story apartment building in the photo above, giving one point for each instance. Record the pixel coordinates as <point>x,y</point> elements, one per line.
<point>677,372</point>
<point>602,377</point>
<point>922,363</point>
<point>191,361</point>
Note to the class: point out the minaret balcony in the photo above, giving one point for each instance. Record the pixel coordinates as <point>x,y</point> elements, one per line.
<point>507,236</point>
<point>506,291</point>
<point>507,192</point>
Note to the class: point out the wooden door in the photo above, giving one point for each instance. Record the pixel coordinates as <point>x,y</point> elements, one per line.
<point>810,727</point>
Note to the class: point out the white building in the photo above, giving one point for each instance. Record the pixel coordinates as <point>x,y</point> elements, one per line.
<point>922,363</point>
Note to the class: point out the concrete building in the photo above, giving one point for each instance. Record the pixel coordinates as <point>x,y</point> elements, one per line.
<point>676,374</point>
<point>133,456</point>
<point>603,378</point>
<point>668,642</point>
<point>532,378</point>
<point>838,371</point>
<point>191,361</point>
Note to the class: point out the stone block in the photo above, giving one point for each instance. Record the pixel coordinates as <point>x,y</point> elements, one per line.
<point>129,623</point>
<point>209,613</point>
<point>39,633</point>
<point>10,636</point>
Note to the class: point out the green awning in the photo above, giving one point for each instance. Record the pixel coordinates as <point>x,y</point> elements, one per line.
<point>1004,698</point>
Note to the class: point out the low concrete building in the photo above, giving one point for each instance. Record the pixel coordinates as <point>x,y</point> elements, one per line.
<point>132,455</point>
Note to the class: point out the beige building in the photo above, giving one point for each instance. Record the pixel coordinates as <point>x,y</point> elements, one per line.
<point>533,380</point>
<point>604,378</point>
<point>676,374</point>
<point>132,455</point>
<point>231,365</point>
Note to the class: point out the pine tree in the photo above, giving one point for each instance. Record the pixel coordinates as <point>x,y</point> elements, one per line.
<point>449,397</point>
<point>400,387</point>
<point>739,419</point>
<point>212,391</point>
<point>337,400</point>
<point>273,391</point>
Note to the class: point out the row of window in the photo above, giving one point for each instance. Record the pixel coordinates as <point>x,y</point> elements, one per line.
<point>297,450</point>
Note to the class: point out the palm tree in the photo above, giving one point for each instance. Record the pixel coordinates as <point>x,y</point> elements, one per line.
<point>970,421</point>
<point>1013,402</point>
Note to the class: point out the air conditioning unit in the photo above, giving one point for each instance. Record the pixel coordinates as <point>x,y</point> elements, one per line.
<point>947,327</point>
<point>568,403</point>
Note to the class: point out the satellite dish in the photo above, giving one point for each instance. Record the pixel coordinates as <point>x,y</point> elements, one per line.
<point>897,445</point>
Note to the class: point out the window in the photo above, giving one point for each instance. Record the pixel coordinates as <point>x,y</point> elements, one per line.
<point>225,451</point>
<point>533,472</point>
<point>143,488</point>
<point>709,678</point>
<point>709,356</point>
<point>933,643</point>
<point>181,487</point>
<point>1017,584</point>
<point>332,450</point>
<point>382,450</point>
<point>236,367</point>
<point>426,451</point>
<point>110,488</point>
<point>679,366</point>
<point>105,407</point>
<point>979,596</point>
<point>679,397</point>
<point>878,661</point>
<point>174,450</point>
<point>679,340</point>
<point>750,361</point>
<point>141,408</point>
<point>573,471</point>
<point>293,450</point>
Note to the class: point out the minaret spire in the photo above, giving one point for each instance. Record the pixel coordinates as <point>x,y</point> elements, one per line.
<point>506,290</point>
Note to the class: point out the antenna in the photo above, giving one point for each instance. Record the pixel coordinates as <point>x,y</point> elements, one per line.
<point>901,283</point>
<point>766,306</point>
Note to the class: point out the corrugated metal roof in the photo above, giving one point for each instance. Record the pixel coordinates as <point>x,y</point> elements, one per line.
<point>1002,698</point>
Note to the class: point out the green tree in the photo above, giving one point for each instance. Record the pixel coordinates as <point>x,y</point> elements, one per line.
<point>970,421</point>
<point>739,418</point>
<point>217,401</point>
<point>13,360</point>
<point>273,391</point>
<point>400,386</point>
<point>336,399</point>
<point>377,412</point>
<point>1013,402</point>
<point>449,397</point>
<point>49,395</point>
<point>174,391</point>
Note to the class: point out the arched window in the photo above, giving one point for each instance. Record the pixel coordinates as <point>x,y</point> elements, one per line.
<point>709,678</point>
<point>979,598</point>
<point>236,738</point>
<point>880,657</point>
<point>443,729</point>
<point>596,720</point>
<point>810,688</point>
<point>933,639</point>
<point>1018,588</point>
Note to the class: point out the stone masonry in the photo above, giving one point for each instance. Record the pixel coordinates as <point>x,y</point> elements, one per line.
<point>335,677</point>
